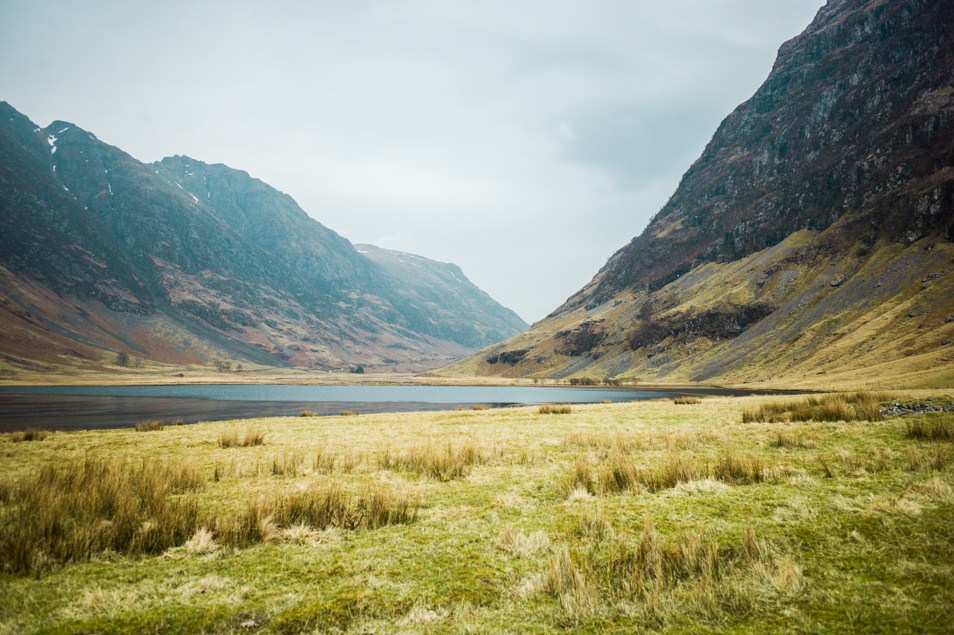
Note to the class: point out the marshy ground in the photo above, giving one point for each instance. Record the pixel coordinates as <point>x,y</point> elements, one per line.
<point>711,515</point>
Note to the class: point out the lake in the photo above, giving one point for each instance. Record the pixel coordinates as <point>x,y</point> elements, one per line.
<point>90,407</point>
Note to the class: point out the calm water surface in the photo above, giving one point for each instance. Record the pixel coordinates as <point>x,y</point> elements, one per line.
<point>87,407</point>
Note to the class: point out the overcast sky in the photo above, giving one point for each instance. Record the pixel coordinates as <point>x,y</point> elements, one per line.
<point>524,141</point>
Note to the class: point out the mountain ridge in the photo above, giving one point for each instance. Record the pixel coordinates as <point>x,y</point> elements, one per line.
<point>843,161</point>
<point>191,262</point>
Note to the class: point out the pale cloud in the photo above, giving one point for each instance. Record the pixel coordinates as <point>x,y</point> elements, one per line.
<point>525,141</point>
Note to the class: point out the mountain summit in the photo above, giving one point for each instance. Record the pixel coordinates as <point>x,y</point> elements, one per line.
<point>811,241</point>
<point>181,261</point>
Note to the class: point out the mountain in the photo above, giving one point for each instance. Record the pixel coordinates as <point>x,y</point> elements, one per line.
<point>437,294</point>
<point>810,243</point>
<point>185,262</point>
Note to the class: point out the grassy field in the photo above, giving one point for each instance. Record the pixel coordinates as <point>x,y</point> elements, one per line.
<point>644,517</point>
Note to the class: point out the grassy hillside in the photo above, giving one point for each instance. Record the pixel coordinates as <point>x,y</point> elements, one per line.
<point>654,517</point>
<point>789,315</point>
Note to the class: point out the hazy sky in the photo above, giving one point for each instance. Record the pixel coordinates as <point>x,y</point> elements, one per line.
<point>524,141</point>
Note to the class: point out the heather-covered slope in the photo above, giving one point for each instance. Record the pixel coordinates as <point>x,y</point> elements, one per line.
<point>811,238</point>
<point>186,262</point>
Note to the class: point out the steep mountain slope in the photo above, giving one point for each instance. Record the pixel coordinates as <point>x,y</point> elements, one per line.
<point>186,262</point>
<point>813,236</point>
<point>435,294</point>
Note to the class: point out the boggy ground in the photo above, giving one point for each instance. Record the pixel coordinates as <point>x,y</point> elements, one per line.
<point>643,517</point>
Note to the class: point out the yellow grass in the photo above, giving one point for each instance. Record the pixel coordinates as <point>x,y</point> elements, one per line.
<point>617,518</point>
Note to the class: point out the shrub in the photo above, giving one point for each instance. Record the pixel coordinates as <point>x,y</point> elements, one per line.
<point>308,413</point>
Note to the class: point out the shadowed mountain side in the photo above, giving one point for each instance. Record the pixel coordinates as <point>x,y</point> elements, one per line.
<point>811,242</point>
<point>186,262</point>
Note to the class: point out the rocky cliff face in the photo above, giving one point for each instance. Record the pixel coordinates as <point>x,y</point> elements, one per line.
<point>839,169</point>
<point>187,262</point>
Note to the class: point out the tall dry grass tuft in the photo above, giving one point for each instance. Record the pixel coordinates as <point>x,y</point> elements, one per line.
<point>678,468</point>
<point>930,427</point>
<point>232,438</point>
<point>149,426</point>
<point>580,477</point>
<point>686,401</point>
<point>666,578</point>
<point>287,463</point>
<point>859,406</point>
<point>444,464</point>
<point>619,474</point>
<point>555,409</point>
<point>30,434</point>
<point>77,510</point>
<point>317,508</point>
<point>740,468</point>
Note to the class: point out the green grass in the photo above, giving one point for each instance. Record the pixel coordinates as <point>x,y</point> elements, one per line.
<point>619,518</point>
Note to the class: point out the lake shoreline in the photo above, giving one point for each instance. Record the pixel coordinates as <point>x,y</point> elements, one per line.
<point>58,407</point>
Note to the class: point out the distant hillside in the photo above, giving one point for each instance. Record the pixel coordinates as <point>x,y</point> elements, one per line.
<point>186,262</point>
<point>812,240</point>
<point>436,294</point>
